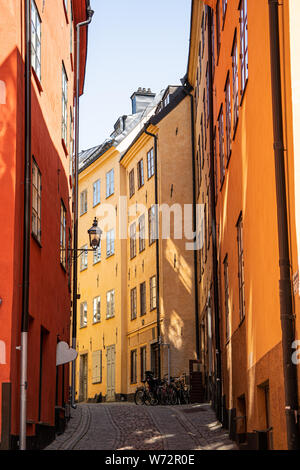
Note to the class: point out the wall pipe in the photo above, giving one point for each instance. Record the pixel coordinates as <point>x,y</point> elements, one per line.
<point>26,234</point>
<point>197,325</point>
<point>218,372</point>
<point>90,13</point>
<point>285,285</point>
<point>157,247</point>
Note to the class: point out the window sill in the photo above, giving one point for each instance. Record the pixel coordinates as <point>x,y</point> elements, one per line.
<point>36,239</point>
<point>242,321</point>
<point>143,314</point>
<point>228,158</point>
<point>143,249</point>
<point>97,262</point>
<point>139,187</point>
<point>96,322</point>
<point>97,204</point>
<point>83,269</point>
<point>64,147</point>
<point>235,129</point>
<point>108,318</point>
<point>82,327</point>
<point>152,309</point>
<point>132,319</point>
<point>132,257</point>
<point>82,213</point>
<point>37,80</point>
<point>130,196</point>
<point>110,255</point>
<point>221,183</point>
<point>109,195</point>
<point>149,177</point>
<point>63,267</point>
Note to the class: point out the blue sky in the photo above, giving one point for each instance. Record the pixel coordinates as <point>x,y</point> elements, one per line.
<point>132,43</point>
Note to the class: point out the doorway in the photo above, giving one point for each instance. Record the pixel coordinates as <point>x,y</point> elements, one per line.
<point>83,377</point>
<point>110,361</point>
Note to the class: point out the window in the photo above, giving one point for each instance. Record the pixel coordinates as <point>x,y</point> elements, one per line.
<point>152,224</point>
<point>154,359</point>
<point>36,201</point>
<point>131,183</point>
<point>150,163</point>
<point>152,292</point>
<point>96,193</point>
<point>218,27</point>
<point>143,351</point>
<point>235,84</point>
<point>213,42</point>
<point>83,202</point>
<point>226,289</point>
<point>35,40</point>
<point>224,8</point>
<point>228,117</point>
<point>110,242</point>
<point>244,44</point>
<point>71,142</point>
<point>83,314</point>
<point>140,173</point>
<point>83,258</point>
<point>110,183</point>
<point>241,267</point>
<point>133,303</point>
<point>202,33</point>
<point>96,310</point>
<point>63,251</point>
<point>133,356</point>
<point>110,304</point>
<point>66,5</point>
<point>141,233</point>
<point>132,240</point>
<point>64,105</point>
<point>143,298</point>
<point>97,367</point>
<point>221,144</point>
<point>97,254</point>
<point>207,93</point>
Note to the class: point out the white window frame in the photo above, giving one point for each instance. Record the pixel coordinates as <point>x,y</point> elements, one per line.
<point>35,40</point>
<point>84,258</point>
<point>110,242</point>
<point>150,163</point>
<point>83,202</point>
<point>64,106</point>
<point>97,309</point>
<point>83,314</point>
<point>96,192</point>
<point>97,254</point>
<point>110,186</point>
<point>110,304</point>
<point>36,201</point>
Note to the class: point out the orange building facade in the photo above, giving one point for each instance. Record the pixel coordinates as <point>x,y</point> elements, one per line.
<point>241,339</point>
<point>52,116</point>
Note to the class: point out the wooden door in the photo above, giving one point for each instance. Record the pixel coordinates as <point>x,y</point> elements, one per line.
<point>110,386</point>
<point>83,377</point>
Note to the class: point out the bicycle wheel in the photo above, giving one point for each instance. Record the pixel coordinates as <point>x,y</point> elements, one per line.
<point>186,397</point>
<point>172,397</point>
<point>139,397</point>
<point>150,399</point>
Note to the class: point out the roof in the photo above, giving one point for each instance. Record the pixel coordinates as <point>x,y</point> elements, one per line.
<point>87,157</point>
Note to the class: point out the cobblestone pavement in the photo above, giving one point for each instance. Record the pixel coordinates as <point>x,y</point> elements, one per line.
<point>126,426</point>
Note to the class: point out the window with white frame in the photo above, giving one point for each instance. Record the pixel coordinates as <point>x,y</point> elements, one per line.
<point>131,183</point>
<point>96,193</point>
<point>221,144</point>
<point>152,224</point>
<point>36,201</point>
<point>97,254</point>
<point>110,183</point>
<point>228,117</point>
<point>133,307</point>
<point>141,233</point>
<point>83,258</point>
<point>110,304</point>
<point>133,366</point>
<point>143,307</point>
<point>83,314</point>
<point>35,40</point>
<point>150,163</point>
<point>132,240</point>
<point>63,251</point>
<point>235,84</point>
<point>110,242</point>
<point>244,44</point>
<point>152,292</point>
<point>64,105</point>
<point>66,5</point>
<point>140,173</point>
<point>83,202</point>
<point>96,309</point>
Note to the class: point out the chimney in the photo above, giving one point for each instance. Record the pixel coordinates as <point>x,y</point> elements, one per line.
<point>140,99</point>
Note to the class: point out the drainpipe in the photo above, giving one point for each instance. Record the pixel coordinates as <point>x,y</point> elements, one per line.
<point>157,246</point>
<point>26,235</point>
<point>214,231</point>
<point>285,288</point>
<point>194,224</point>
<point>75,211</point>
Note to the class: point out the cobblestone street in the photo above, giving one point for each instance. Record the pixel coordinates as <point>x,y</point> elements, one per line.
<point>125,426</point>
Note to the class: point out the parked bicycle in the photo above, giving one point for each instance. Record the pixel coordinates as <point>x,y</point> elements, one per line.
<point>155,391</point>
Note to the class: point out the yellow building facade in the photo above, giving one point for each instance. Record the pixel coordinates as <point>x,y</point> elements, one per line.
<point>136,310</point>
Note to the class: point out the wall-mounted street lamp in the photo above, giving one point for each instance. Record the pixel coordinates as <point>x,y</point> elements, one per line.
<point>95,233</point>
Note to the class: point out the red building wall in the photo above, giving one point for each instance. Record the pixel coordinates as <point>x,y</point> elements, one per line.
<point>49,301</point>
